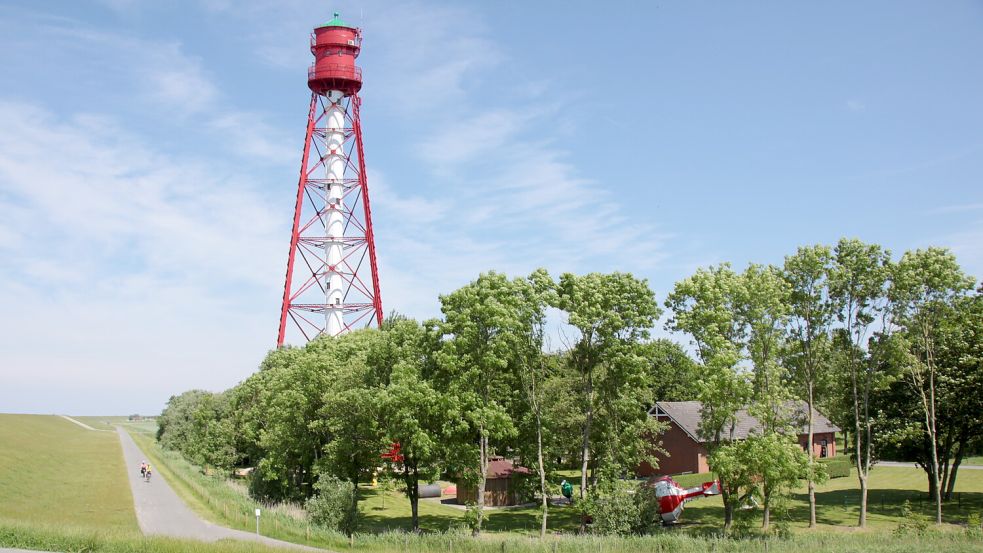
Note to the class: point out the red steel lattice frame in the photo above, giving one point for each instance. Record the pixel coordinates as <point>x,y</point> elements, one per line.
<point>304,290</point>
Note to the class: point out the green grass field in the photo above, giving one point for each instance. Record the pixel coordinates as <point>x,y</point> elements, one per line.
<point>55,471</point>
<point>89,508</point>
<point>390,511</point>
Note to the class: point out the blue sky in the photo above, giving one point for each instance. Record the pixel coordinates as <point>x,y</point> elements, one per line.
<point>149,152</point>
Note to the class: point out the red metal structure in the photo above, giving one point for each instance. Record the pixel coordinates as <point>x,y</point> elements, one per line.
<point>332,281</point>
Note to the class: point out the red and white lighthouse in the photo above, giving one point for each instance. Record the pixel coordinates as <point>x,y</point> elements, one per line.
<point>332,282</point>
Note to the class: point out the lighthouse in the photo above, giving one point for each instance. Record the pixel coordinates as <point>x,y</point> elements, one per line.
<point>332,282</point>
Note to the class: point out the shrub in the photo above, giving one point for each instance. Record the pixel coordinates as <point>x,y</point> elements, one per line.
<point>333,506</point>
<point>837,467</point>
<point>911,522</point>
<point>973,526</point>
<point>614,513</point>
<point>471,516</point>
<point>624,512</point>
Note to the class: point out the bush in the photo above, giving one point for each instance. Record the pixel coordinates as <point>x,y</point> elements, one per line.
<point>911,522</point>
<point>837,467</point>
<point>973,526</point>
<point>624,512</point>
<point>333,506</point>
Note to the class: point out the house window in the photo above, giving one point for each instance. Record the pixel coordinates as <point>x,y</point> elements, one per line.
<point>823,452</point>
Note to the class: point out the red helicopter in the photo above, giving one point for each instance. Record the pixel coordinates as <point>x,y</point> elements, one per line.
<point>672,496</point>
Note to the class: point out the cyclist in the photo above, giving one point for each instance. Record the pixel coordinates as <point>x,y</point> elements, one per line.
<point>143,468</point>
<point>146,476</point>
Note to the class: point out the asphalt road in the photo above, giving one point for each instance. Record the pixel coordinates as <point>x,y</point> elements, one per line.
<point>160,511</point>
<point>915,465</point>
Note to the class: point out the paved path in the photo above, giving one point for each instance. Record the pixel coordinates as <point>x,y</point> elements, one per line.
<point>82,424</point>
<point>915,465</point>
<point>160,511</point>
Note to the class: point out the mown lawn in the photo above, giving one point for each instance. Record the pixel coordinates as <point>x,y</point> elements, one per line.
<point>837,505</point>
<point>838,500</point>
<point>54,471</point>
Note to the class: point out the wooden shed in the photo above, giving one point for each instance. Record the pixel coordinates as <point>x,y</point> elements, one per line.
<point>500,489</point>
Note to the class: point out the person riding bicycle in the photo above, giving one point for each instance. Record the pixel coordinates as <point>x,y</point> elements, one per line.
<point>148,473</point>
<point>143,468</point>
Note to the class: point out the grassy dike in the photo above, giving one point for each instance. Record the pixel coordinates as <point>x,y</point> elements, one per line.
<point>55,471</point>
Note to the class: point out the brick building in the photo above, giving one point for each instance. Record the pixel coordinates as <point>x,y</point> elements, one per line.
<point>688,454</point>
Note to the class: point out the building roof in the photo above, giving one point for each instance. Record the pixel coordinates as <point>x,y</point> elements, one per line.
<point>686,415</point>
<point>504,468</point>
<point>336,21</point>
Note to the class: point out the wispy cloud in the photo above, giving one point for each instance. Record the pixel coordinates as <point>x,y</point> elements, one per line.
<point>175,85</point>
<point>112,246</point>
<point>856,105</point>
<point>967,245</point>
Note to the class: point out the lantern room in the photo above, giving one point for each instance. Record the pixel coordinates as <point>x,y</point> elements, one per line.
<point>335,46</point>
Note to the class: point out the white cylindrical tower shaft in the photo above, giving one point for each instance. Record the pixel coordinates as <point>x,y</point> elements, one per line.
<point>334,219</point>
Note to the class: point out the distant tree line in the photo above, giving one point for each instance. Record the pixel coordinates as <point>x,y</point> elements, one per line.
<point>891,351</point>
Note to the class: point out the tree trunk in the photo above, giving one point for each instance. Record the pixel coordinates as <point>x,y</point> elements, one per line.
<point>858,445</point>
<point>930,416</point>
<point>766,513</point>
<point>542,472</point>
<point>585,448</point>
<point>354,507</point>
<point>951,484</point>
<point>725,496</point>
<point>413,491</point>
<point>928,405</point>
<point>812,459</point>
<point>482,480</point>
<point>585,439</point>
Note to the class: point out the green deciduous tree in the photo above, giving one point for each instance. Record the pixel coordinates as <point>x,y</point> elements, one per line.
<point>671,373</point>
<point>413,412</point>
<point>611,314</point>
<point>924,289</point>
<point>858,287</point>
<point>485,324</point>
<point>807,352</point>
<point>705,306</point>
<point>763,312</point>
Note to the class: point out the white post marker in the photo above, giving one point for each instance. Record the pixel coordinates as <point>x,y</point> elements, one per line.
<point>257,522</point>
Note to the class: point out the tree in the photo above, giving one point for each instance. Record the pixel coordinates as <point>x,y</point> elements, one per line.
<point>808,343</point>
<point>705,306</point>
<point>175,423</point>
<point>924,288</point>
<point>611,314</point>
<point>412,411</point>
<point>778,464</point>
<point>535,369</point>
<point>857,283</point>
<point>671,373</point>
<point>762,310</point>
<point>484,322</point>
<point>198,424</point>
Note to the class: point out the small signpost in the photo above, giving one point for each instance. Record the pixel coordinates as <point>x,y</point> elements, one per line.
<point>257,521</point>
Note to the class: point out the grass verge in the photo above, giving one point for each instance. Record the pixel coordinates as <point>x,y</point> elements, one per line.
<point>217,500</point>
<point>88,540</point>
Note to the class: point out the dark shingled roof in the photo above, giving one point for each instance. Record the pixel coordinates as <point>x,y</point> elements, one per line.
<point>503,468</point>
<point>686,414</point>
